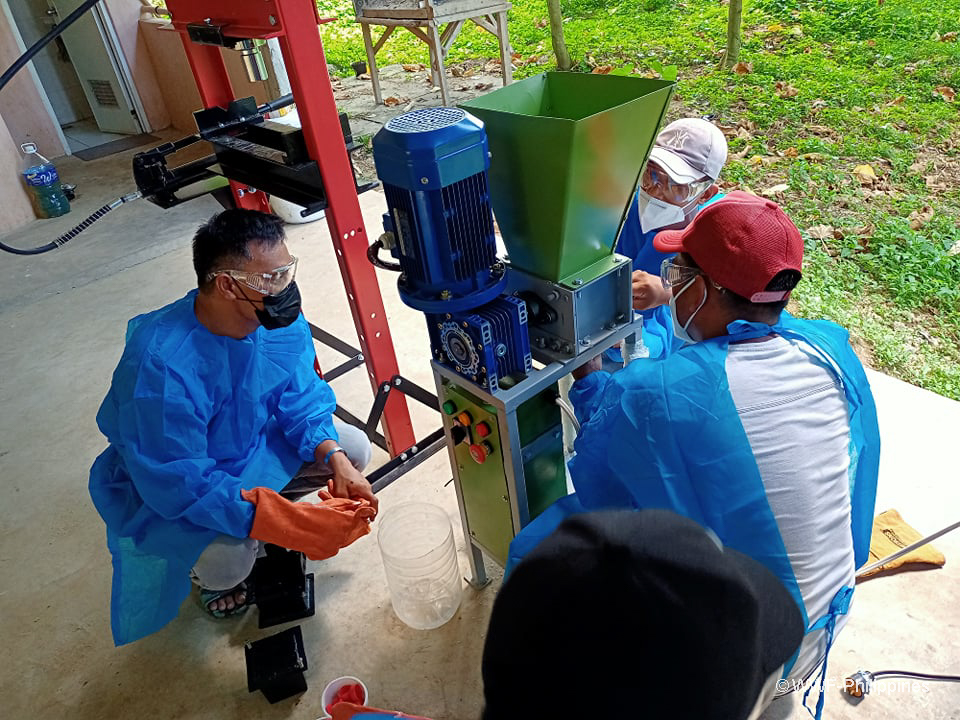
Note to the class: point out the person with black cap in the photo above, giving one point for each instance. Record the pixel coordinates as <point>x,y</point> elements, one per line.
<point>762,427</point>
<point>624,614</point>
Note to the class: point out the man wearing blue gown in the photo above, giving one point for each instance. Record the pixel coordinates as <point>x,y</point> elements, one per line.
<point>216,396</point>
<point>760,427</point>
<point>679,180</point>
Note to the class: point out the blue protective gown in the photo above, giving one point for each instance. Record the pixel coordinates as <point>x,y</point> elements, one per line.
<point>638,246</point>
<point>666,434</point>
<point>193,418</point>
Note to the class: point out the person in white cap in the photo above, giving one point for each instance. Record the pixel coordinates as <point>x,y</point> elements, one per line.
<point>678,181</point>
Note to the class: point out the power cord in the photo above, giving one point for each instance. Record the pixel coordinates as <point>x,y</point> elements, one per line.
<point>860,683</point>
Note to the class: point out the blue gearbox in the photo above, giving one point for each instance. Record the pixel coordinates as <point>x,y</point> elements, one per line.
<point>485,344</point>
<point>433,164</point>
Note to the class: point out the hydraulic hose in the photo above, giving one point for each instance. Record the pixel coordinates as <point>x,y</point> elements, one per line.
<point>39,44</point>
<point>69,235</point>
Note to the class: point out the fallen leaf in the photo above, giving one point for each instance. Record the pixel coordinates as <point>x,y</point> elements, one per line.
<point>516,56</point>
<point>820,232</point>
<point>413,67</point>
<point>363,76</point>
<point>934,182</point>
<point>756,160</point>
<point>871,43</point>
<point>818,103</point>
<point>391,101</point>
<point>949,37</point>
<point>775,190</point>
<point>821,130</point>
<point>812,157</point>
<point>955,250</point>
<point>919,218</point>
<point>785,90</point>
<point>541,23</point>
<point>910,69</point>
<point>917,167</point>
<point>790,152</point>
<point>946,92</point>
<point>602,69</point>
<point>456,72</point>
<point>483,86</point>
<point>742,68</point>
<point>775,28</point>
<point>865,174</point>
<point>864,231</point>
<point>492,66</point>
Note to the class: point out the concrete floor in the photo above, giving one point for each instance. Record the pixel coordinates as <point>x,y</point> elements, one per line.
<point>62,318</point>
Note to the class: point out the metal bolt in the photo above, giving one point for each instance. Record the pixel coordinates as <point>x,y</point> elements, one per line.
<point>618,259</point>
<point>445,294</point>
<point>465,325</point>
<point>361,358</point>
<point>505,498</point>
<point>398,381</point>
<point>424,181</point>
<point>567,348</point>
<point>403,456</point>
<point>272,20</point>
<point>578,281</point>
<point>584,342</point>
<point>208,21</point>
<point>386,387</point>
<point>413,449</point>
<point>621,317</point>
<point>610,325</point>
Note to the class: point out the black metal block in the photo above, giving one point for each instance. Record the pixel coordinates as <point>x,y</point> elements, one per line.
<point>283,590</point>
<point>275,665</point>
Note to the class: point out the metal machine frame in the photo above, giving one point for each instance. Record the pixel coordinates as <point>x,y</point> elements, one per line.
<point>295,25</point>
<point>507,402</point>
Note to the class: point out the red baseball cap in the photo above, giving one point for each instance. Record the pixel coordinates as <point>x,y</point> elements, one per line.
<point>741,242</point>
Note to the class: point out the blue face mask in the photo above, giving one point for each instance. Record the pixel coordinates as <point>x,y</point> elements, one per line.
<point>681,330</point>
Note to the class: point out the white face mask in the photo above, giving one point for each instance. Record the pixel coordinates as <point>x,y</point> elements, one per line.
<point>681,331</point>
<point>656,214</point>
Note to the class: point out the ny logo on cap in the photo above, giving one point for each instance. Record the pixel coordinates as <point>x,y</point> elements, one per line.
<point>677,139</point>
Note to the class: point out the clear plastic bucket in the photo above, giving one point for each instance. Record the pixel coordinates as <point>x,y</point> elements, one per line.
<point>420,561</point>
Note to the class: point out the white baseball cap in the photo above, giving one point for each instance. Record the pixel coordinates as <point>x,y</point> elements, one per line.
<point>690,149</point>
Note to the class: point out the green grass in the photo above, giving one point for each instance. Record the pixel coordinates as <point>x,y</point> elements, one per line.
<point>865,76</point>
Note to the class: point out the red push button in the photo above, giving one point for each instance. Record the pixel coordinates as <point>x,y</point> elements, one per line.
<point>483,430</point>
<point>480,452</point>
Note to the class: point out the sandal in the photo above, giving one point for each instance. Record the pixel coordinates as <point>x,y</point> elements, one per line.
<point>208,597</point>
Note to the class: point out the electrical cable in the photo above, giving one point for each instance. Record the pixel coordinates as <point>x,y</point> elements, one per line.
<point>860,683</point>
<point>568,411</point>
<point>61,240</point>
<point>373,255</point>
<point>41,43</point>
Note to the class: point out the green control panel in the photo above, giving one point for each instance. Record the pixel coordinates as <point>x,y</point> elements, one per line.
<point>482,465</point>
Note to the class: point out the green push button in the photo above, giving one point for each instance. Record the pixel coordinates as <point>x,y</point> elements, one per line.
<point>449,407</point>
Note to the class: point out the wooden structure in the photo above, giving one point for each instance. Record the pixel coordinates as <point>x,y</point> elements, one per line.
<point>437,23</point>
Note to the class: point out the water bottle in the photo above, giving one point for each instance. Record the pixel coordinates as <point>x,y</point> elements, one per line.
<point>43,184</point>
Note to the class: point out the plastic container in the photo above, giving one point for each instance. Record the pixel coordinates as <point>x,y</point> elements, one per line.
<point>420,561</point>
<point>43,184</point>
<point>330,691</point>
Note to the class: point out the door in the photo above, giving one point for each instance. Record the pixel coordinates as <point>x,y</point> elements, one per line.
<point>99,67</point>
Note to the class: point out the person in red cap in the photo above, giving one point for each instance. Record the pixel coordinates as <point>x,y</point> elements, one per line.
<point>762,427</point>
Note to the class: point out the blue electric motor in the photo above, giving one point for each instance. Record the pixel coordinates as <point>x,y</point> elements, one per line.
<point>433,164</point>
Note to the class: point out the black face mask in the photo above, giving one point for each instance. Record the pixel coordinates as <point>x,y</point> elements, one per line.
<point>278,310</point>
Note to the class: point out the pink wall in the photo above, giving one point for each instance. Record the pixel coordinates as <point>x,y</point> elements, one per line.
<point>15,209</point>
<point>21,106</point>
<point>126,21</point>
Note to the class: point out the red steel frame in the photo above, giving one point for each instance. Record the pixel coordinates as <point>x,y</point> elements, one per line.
<point>295,24</point>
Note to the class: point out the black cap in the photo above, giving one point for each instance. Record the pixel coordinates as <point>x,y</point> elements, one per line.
<point>635,610</point>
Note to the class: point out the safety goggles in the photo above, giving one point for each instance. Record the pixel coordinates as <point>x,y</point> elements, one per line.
<point>271,283</point>
<point>672,274</point>
<point>657,183</point>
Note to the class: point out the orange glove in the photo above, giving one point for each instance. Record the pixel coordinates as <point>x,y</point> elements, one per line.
<point>318,531</point>
<point>345,711</point>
